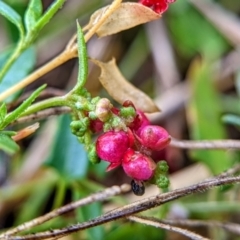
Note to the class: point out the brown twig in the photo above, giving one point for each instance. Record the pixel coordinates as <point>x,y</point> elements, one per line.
<point>231,227</point>
<point>134,208</point>
<point>205,144</point>
<point>159,224</point>
<point>42,115</point>
<point>99,196</point>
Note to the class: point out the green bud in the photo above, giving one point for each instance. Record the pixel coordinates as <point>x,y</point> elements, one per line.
<point>162,181</point>
<point>95,100</point>
<point>92,115</point>
<point>92,155</point>
<point>127,112</point>
<point>107,127</point>
<point>162,167</point>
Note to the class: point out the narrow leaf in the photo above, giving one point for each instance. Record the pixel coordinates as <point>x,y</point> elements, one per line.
<point>121,90</point>
<point>232,119</point>
<point>128,15</point>
<point>51,11</point>
<point>203,115</point>
<point>12,16</point>
<point>3,112</point>
<point>82,58</point>
<point>7,144</point>
<point>17,112</point>
<point>33,14</point>
<point>68,156</point>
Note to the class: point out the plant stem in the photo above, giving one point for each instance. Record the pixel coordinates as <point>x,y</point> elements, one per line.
<point>51,102</point>
<point>18,50</point>
<point>57,61</point>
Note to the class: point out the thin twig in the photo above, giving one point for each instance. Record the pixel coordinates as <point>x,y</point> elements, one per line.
<point>230,172</point>
<point>42,115</point>
<point>158,224</point>
<point>134,208</point>
<point>231,227</point>
<point>206,144</point>
<point>99,196</point>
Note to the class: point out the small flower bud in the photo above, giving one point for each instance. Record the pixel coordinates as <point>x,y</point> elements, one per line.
<point>92,155</point>
<point>154,137</point>
<point>103,109</point>
<point>162,181</point>
<point>138,166</point>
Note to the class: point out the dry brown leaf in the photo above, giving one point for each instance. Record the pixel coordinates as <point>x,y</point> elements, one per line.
<point>126,16</point>
<point>25,132</point>
<point>121,90</point>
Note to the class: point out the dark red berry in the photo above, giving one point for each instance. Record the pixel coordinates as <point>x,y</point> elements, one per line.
<point>154,137</point>
<point>96,125</point>
<point>138,166</point>
<point>111,147</point>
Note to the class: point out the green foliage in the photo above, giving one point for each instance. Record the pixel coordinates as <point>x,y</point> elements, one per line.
<point>7,144</point>
<point>193,34</point>
<point>232,119</point>
<point>51,11</point>
<point>18,70</point>
<point>33,14</point>
<point>83,63</point>
<point>88,212</point>
<point>68,156</point>
<point>11,117</point>
<point>12,16</point>
<point>204,112</point>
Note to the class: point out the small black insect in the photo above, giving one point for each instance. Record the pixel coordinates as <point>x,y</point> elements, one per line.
<point>138,187</point>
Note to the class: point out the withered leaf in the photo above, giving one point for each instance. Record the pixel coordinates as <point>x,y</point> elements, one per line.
<point>121,90</point>
<point>126,16</point>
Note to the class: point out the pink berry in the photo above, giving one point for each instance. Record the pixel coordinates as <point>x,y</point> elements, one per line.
<point>111,147</point>
<point>154,137</point>
<point>139,122</point>
<point>138,166</point>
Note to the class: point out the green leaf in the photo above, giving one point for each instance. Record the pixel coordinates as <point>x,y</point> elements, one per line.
<point>231,119</point>
<point>17,112</point>
<point>51,11</point>
<point>68,156</point>
<point>35,204</point>
<point>3,112</point>
<point>7,144</point>
<point>18,70</point>
<point>33,14</point>
<point>204,117</point>
<point>83,60</point>
<point>207,40</point>
<point>12,16</point>
<point>89,212</point>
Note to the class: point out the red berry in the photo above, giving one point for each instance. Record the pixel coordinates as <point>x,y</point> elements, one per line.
<point>154,137</point>
<point>160,7</point>
<point>111,147</point>
<point>138,166</point>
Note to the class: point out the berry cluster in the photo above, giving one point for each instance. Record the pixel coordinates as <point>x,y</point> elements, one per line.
<point>132,146</point>
<point>159,6</point>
